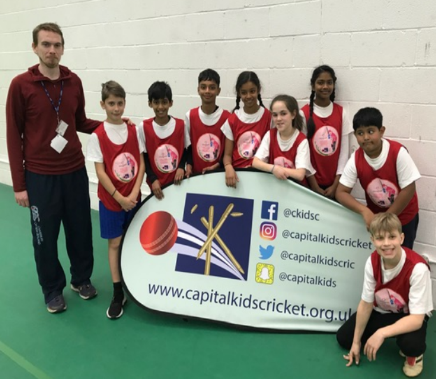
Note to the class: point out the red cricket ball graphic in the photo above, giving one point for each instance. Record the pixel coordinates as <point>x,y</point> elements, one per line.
<point>158,233</point>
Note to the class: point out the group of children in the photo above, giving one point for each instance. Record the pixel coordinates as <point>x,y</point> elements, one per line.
<point>310,146</point>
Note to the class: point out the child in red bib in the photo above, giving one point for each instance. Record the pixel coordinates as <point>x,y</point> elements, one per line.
<point>204,127</point>
<point>245,127</point>
<point>284,150</point>
<point>327,132</point>
<point>116,151</point>
<point>396,299</point>
<point>165,139</point>
<point>386,172</point>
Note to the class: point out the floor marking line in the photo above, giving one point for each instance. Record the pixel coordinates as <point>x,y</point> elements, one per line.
<point>23,362</point>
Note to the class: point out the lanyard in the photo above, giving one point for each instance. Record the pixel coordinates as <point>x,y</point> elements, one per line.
<point>56,108</point>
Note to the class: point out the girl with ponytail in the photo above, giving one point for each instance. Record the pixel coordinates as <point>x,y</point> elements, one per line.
<point>245,127</point>
<point>327,132</point>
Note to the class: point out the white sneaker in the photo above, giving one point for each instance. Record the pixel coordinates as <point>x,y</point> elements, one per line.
<point>413,365</point>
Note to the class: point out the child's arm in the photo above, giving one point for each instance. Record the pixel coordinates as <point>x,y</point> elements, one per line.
<point>344,152</point>
<point>364,310</point>
<point>211,168</point>
<point>180,173</point>
<point>189,162</point>
<point>157,190</point>
<point>407,174</point>
<point>139,178</point>
<point>330,192</point>
<point>404,325</point>
<point>279,171</point>
<point>107,184</point>
<point>302,160</point>
<point>187,136</point>
<point>313,184</point>
<point>152,178</point>
<point>231,176</point>
<point>403,199</point>
<point>343,195</point>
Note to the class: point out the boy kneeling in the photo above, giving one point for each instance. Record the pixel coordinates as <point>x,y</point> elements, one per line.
<point>396,299</point>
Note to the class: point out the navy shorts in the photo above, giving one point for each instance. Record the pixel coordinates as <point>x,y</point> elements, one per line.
<point>113,224</point>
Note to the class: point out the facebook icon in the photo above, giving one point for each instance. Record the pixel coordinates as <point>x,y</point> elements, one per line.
<point>270,210</point>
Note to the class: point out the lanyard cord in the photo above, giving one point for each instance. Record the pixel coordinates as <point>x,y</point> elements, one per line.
<point>56,108</point>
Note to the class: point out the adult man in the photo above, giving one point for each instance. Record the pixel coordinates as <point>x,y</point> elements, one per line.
<point>44,111</point>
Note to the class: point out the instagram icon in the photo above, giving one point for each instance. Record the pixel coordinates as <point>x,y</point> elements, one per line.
<point>268,231</point>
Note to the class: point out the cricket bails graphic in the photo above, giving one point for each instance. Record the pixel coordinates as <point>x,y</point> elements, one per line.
<point>201,249</point>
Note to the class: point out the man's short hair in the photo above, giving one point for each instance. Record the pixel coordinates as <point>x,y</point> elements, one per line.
<point>48,27</point>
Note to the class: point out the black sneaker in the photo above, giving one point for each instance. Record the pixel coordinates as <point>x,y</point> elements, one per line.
<point>86,291</point>
<point>57,304</point>
<point>115,310</point>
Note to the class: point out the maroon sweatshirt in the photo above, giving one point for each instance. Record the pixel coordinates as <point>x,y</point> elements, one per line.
<point>31,124</point>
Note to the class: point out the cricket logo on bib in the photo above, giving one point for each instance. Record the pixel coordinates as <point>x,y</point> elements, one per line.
<point>284,162</point>
<point>382,192</point>
<point>125,167</point>
<point>248,143</point>
<point>325,140</point>
<point>391,301</point>
<point>208,147</point>
<point>166,158</point>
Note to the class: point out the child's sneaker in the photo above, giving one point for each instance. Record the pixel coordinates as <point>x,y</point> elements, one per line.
<point>115,310</point>
<point>413,365</point>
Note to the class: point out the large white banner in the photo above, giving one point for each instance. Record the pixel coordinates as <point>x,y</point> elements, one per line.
<point>270,254</point>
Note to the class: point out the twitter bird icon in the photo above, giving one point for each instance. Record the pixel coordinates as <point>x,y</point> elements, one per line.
<point>266,252</point>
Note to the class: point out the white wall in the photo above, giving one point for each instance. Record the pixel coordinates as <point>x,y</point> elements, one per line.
<point>384,53</point>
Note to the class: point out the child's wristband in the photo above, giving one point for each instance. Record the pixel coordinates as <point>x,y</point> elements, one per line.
<point>272,169</point>
<point>113,193</point>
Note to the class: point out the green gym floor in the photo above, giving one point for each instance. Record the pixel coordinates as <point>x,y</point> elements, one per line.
<point>83,343</point>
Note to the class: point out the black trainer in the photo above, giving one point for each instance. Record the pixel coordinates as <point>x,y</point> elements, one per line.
<point>86,291</point>
<point>57,304</point>
<point>115,310</point>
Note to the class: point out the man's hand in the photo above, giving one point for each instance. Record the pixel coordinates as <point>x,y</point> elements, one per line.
<point>22,199</point>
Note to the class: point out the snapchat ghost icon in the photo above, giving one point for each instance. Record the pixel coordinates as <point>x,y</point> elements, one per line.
<point>264,273</point>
